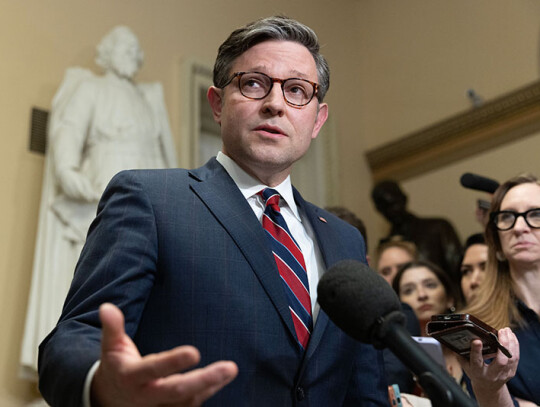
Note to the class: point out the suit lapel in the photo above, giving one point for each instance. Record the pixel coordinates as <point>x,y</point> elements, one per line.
<point>223,198</point>
<point>330,252</point>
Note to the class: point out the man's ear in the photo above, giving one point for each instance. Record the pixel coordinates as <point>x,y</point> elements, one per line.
<point>214,98</point>
<point>322,115</point>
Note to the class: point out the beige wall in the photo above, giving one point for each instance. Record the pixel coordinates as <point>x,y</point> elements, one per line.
<point>396,66</point>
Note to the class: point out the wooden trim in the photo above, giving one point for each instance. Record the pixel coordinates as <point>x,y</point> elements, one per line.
<point>507,118</point>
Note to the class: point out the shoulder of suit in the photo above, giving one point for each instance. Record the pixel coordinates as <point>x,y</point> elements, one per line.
<point>152,175</point>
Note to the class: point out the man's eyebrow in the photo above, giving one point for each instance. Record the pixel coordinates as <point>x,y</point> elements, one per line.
<point>298,73</point>
<point>263,68</point>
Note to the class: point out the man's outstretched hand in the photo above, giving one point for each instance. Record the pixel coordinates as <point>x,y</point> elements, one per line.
<point>124,378</point>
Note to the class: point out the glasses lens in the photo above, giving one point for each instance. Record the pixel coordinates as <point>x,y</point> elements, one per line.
<point>255,85</point>
<point>533,218</point>
<point>298,91</point>
<point>505,220</point>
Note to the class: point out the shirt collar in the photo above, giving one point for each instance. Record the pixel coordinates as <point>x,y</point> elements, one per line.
<point>249,186</point>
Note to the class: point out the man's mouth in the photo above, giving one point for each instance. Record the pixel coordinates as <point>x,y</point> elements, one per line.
<point>270,129</point>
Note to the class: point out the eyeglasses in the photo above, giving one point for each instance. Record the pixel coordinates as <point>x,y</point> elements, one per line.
<point>297,92</point>
<point>505,220</point>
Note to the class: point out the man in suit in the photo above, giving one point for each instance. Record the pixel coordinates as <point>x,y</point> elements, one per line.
<point>184,258</point>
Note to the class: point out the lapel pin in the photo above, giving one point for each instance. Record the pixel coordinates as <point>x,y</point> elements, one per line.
<point>322,219</point>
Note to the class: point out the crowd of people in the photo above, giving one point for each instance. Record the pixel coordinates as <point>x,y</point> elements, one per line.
<point>199,286</point>
<point>499,281</point>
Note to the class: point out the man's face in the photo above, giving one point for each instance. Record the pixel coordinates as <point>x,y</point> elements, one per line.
<point>265,137</point>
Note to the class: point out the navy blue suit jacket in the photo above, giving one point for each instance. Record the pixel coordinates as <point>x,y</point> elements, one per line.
<point>185,258</point>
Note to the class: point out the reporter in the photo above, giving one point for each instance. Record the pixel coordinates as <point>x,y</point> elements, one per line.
<point>428,290</point>
<point>393,254</point>
<point>513,278</point>
<point>473,265</point>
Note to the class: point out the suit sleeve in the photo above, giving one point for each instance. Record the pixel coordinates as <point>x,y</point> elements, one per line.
<point>118,265</point>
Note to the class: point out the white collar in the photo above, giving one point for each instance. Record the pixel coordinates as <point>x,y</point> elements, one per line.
<point>249,186</point>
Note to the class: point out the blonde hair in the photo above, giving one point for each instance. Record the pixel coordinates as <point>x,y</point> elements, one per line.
<point>495,302</point>
<point>397,241</point>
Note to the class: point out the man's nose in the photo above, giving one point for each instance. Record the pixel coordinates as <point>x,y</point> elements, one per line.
<point>274,101</point>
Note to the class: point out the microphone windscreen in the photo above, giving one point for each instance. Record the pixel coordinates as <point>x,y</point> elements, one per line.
<point>354,297</point>
<point>478,182</point>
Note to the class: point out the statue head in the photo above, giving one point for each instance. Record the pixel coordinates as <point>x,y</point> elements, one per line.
<point>119,51</point>
<point>389,200</point>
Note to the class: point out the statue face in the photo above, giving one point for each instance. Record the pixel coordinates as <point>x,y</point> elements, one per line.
<point>125,56</point>
<point>391,206</point>
<point>389,200</point>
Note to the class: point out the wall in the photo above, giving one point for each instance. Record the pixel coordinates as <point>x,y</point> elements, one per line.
<point>418,59</point>
<point>39,40</point>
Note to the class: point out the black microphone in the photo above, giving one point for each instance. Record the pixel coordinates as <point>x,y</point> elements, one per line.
<point>478,182</point>
<point>365,307</point>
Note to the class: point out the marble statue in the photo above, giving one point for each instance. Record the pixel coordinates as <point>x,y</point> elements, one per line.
<point>99,125</point>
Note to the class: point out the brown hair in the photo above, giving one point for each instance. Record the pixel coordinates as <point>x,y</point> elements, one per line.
<point>271,28</point>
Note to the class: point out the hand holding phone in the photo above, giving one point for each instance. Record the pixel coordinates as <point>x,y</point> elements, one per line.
<point>394,396</point>
<point>456,331</point>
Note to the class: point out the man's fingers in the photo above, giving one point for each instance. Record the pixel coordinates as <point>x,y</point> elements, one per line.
<point>155,378</point>
<point>113,332</point>
<point>195,386</point>
<point>155,366</point>
<point>220,375</point>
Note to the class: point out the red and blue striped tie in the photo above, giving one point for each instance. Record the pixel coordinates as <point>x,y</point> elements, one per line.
<point>291,265</point>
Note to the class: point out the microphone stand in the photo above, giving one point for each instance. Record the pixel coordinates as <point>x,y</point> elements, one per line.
<point>441,388</point>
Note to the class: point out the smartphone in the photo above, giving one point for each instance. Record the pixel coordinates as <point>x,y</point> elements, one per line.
<point>394,396</point>
<point>456,331</point>
<point>432,347</point>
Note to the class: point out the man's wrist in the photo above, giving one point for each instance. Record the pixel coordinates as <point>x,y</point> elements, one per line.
<point>88,384</point>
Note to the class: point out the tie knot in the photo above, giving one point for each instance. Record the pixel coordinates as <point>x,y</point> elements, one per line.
<point>271,198</point>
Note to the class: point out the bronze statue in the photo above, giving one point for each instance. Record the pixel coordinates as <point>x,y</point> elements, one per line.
<point>435,238</point>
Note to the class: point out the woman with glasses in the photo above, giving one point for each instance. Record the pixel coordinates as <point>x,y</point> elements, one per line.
<point>510,292</point>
